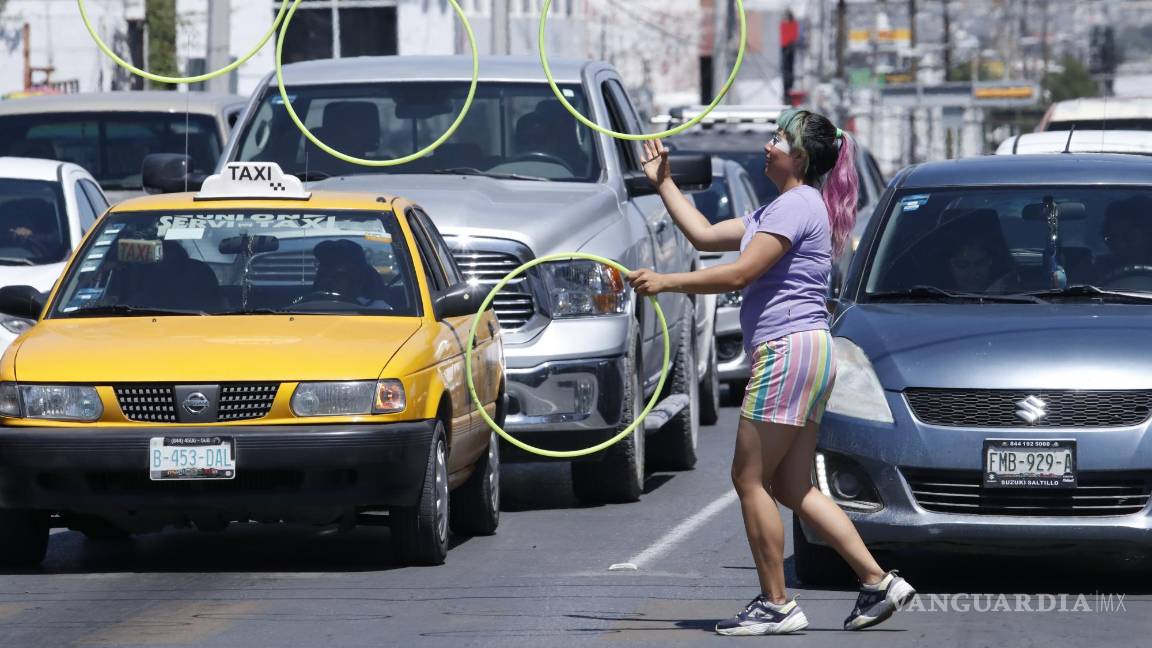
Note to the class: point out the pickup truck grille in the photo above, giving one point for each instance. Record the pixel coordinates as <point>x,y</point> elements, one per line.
<point>515,305</point>
<point>290,268</point>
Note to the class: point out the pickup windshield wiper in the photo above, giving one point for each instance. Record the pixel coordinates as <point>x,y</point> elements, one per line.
<point>121,309</point>
<point>932,292</point>
<point>478,172</point>
<point>1093,293</point>
<point>16,261</point>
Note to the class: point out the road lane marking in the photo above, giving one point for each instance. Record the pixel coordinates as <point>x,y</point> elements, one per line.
<point>669,540</point>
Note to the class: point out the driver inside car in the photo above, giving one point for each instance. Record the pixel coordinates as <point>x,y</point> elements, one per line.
<point>344,274</point>
<point>1126,233</point>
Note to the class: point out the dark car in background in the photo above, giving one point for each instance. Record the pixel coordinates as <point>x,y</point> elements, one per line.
<point>994,349</point>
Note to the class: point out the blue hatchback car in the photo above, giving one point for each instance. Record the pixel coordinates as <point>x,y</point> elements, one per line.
<point>994,349</point>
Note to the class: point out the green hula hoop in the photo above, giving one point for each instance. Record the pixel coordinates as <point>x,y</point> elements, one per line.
<point>179,80</point>
<point>651,136</point>
<point>561,454</point>
<point>378,163</point>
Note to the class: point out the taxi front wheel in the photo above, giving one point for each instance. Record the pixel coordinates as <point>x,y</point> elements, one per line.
<point>420,532</point>
<point>23,538</point>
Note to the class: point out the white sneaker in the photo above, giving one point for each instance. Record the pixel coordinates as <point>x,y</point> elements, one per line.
<point>877,602</point>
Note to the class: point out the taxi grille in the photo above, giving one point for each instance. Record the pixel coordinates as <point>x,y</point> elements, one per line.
<point>157,403</point>
<point>514,305</point>
<point>990,408</point>
<point>148,403</point>
<point>1095,494</point>
<point>247,401</point>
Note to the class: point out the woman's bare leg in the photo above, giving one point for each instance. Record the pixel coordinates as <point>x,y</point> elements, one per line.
<point>760,448</point>
<point>792,486</point>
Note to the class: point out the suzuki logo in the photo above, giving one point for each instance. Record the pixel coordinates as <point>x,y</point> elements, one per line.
<point>1031,410</point>
<point>196,403</point>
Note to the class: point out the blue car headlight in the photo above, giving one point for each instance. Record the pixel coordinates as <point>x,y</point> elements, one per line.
<point>857,391</point>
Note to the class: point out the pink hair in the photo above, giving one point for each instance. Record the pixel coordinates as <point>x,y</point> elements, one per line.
<point>840,190</point>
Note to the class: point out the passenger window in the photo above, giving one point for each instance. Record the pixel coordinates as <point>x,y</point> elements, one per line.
<point>85,209</point>
<point>447,261</point>
<point>433,271</point>
<point>623,120</point>
<point>95,196</point>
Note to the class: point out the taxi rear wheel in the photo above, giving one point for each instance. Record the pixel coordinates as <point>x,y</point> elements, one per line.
<point>476,504</point>
<point>420,532</point>
<point>23,538</point>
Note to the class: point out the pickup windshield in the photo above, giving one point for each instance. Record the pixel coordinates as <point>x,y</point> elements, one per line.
<point>241,262</point>
<point>111,145</point>
<point>512,129</point>
<point>1044,243</point>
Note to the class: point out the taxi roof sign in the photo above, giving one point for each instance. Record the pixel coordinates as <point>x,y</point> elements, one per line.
<point>252,180</point>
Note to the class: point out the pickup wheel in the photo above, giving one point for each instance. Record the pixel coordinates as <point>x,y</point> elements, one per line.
<point>23,538</point>
<point>476,504</point>
<point>674,448</point>
<point>619,475</point>
<point>420,532</point>
<point>710,389</point>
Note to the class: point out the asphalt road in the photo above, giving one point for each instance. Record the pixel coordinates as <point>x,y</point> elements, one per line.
<point>543,580</point>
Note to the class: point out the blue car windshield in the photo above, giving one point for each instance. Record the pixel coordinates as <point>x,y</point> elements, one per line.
<point>241,262</point>
<point>1005,241</point>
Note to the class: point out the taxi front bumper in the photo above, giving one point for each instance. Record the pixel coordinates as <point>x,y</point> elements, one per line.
<point>277,468</point>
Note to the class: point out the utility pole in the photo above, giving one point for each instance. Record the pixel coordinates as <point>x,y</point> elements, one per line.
<point>841,37</point>
<point>501,39</point>
<point>719,45</point>
<point>219,36</point>
<point>947,40</point>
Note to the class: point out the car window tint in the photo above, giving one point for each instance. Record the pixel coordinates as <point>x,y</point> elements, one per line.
<point>85,210</point>
<point>443,252</point>
<point>433,271</point>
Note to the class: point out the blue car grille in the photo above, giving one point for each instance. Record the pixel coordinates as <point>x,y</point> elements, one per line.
<point>991,408</point>
<point>1096,494</point>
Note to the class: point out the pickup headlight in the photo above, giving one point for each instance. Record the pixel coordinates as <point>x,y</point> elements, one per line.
<point>15,325</point>
<point>50,402</point>
<point>348,398</point>
<point>730,299</point>
<point>584,288</point>
<point>857,391</point>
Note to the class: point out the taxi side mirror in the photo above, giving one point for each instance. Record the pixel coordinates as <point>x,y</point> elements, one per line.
<point>169,173</point>
<point>21,301</point>
<point>460,300</point>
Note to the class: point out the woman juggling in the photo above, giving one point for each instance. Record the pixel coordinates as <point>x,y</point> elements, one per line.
<point>786,252</point>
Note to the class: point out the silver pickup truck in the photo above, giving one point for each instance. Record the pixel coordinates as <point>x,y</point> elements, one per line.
<point>520,179</point>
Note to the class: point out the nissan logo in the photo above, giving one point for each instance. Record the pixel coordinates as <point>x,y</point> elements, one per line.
<point>196,403</point>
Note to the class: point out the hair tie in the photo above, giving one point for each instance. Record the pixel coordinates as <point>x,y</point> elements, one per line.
<point>839,134</point>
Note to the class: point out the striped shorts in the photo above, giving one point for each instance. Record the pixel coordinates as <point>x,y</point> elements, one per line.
<point>791,379</point>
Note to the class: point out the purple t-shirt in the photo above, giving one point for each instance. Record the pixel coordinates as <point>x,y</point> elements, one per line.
<point>792,296</point>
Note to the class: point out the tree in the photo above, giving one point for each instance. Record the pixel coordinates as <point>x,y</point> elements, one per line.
<point>1072,82</point>
<point>160,17</point>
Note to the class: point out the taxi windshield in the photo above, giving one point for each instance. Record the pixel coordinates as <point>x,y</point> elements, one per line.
<point>241,262</point>
<point>1014,241</point>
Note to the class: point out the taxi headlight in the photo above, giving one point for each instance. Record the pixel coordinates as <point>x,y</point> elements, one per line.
<point>584,288</point>
<point>857,391</point>
<point>348,398</point>
<point>15,325</point>
<point>52,402</point>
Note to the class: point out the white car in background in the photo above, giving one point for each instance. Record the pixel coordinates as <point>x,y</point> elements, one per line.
<point>45,208</point>
<point>1136,142</point>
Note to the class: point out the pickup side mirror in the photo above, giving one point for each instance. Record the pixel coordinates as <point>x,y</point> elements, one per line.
<point>21,301</point>
<point>690,172</point>
<point>169,173</point>
<point>460,300</point>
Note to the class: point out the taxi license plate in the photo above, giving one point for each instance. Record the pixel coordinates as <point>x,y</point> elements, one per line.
<point>182,458</point>
<point>1029,463</point>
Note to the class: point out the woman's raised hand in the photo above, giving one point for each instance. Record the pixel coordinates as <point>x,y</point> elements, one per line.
<point>656,165</point>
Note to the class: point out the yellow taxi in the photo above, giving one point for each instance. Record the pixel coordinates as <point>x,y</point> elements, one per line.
<point>252,352</point>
